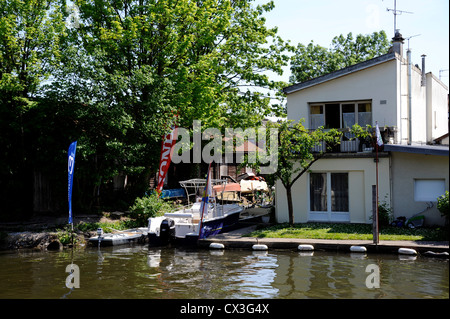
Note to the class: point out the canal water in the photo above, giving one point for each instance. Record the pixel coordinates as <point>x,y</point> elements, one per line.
<point>170,273</point>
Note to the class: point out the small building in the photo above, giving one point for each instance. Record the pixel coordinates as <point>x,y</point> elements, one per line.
<point>411,109</point>
<point>419,175</point>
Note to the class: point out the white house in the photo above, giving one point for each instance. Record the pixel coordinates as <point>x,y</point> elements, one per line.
<point>411,109</point>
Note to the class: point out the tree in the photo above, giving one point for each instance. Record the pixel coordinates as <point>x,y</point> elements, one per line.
<point>296,151</point>
<point>30,32</point>
<point>190,57</point>
<point>129,66</point>
<point>312,61</point>
<point>113,79</point>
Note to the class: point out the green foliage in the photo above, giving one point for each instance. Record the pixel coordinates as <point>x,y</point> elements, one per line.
<point>312,61</point>
<point>84,227</point>
<point>65,237</point>
<point>147,207</point>
<point>295,153</point>
<point>107,226</point>
<point>295,148</point>
<point>138,64</point>
<point>443,205</point>
<point>384,213</point>
<point>30,33</point>
<point>113,80</point>
<point>348,232</point>
<point>161,57</point>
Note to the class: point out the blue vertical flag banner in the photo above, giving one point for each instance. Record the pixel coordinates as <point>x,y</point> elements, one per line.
<point>70,168</point>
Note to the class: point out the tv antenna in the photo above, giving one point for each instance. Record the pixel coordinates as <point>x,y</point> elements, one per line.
<point>408,38</point>
<point>396,13</point>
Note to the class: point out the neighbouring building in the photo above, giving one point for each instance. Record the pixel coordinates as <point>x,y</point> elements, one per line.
<point>411,109</point>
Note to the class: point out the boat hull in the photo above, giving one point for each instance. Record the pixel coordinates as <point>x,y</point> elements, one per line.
<point>214,227</point>
<point>122,238</point>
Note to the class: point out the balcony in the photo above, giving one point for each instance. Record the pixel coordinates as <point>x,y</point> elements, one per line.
<point>352,144</point>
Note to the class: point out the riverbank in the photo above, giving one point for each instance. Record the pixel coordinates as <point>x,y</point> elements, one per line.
<point>50,232</point>
<point>41,234</point>
<point>43,240</point>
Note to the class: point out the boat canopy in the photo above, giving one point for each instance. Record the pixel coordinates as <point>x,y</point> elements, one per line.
<point>193,186</point>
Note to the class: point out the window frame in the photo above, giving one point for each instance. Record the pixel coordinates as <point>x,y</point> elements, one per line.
<point>428,198</point>
<point>329,215</point>
<point>323,105</point>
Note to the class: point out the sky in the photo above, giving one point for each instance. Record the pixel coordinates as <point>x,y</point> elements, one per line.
<point>427,26</point>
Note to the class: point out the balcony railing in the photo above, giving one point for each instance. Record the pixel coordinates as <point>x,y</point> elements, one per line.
<point>352,144</point>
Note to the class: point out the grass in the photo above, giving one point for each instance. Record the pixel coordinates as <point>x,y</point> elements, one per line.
<point>349,231</point>
<point>108,226</point>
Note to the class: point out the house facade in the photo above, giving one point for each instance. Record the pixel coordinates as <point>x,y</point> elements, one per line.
<point>411,108</point>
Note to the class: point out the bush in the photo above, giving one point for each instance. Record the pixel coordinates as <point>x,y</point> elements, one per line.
<point>65,235</point>
<point>106,226</point>
<point>384,214</point>
<point>442,205</point>
<point>147,207</point>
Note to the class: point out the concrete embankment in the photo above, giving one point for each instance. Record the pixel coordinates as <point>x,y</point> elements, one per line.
<point>235,239</point>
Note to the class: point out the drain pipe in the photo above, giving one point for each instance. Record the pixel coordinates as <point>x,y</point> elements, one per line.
<point>408,54</point>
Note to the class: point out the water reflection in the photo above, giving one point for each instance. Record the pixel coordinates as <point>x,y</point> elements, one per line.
<point>256,276</point>
<point>344,276</point>
<point>316,275</point>
<point>212,274</point>
<point>143,272</point>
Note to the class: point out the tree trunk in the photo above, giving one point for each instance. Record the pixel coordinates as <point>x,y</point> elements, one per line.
<point>290,206</point>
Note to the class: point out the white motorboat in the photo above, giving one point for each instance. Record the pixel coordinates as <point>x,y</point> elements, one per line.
<point>195,221</point>
<point>184,225</point>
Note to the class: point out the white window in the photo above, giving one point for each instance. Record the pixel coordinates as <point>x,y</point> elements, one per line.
<point>328,197</point>
<point>340,115</point>
<point>428,190</point>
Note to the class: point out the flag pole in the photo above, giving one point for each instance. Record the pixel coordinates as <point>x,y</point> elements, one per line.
<point>376,240</point>
<point>377,144</point>
<point>204,201</point>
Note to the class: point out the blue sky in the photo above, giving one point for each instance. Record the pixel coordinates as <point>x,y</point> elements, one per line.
<point>301,21</point>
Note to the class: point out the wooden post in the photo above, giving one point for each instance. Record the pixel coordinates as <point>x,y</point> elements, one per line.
<point>375,215</point>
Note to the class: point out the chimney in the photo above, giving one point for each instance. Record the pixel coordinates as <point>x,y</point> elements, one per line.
<point>397,42</point>
<point>424,78</point>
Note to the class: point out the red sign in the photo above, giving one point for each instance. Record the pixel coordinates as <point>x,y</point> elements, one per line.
<point>167,146</point>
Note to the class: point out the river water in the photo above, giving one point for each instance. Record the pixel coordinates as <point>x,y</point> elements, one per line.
<point>170,273</point>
